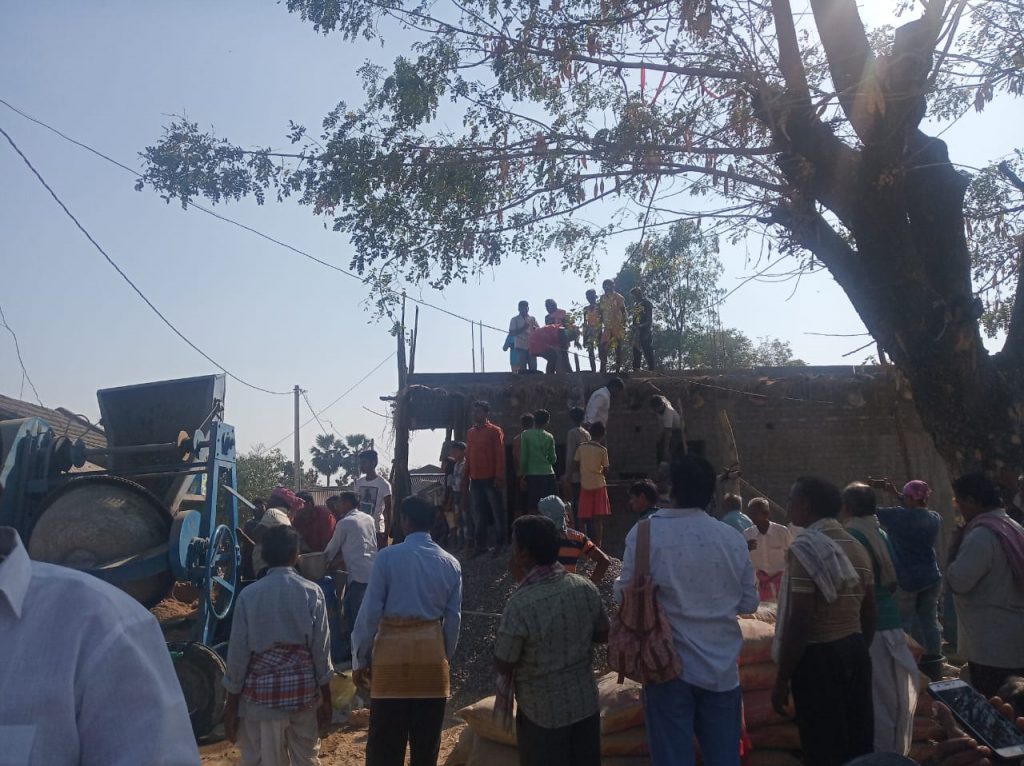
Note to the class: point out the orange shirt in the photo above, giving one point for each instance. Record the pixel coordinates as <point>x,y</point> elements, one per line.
<point>485,452</point>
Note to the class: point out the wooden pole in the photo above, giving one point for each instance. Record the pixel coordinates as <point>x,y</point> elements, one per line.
<point>403,369</point>
<point>415,338</point>
<point>472,343</point>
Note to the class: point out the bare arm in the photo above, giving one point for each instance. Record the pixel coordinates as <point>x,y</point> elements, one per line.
<point>601,564</point>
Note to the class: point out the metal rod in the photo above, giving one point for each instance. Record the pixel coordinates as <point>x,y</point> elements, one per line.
<point>480,336</point>
<point>472,343</point>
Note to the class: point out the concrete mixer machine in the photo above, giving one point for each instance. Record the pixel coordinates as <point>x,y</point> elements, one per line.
<point>155,507</point>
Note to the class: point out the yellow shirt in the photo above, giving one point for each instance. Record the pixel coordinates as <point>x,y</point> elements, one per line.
<point>593,458</point>
<point>613,313</point>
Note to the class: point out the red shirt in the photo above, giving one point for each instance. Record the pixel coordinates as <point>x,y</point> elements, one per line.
<point>485,452</point>
<point>315,525</point>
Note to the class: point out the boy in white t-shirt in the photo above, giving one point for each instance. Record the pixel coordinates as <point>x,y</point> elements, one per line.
<point>374,495</point>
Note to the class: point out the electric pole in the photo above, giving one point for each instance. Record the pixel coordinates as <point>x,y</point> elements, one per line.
<point>297,469</point>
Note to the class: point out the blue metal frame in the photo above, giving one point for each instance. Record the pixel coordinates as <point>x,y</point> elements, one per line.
<point>29,477</point>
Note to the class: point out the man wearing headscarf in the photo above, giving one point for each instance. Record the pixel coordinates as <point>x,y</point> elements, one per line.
<point>283,502</point>
<point>573,544</point>
<point>893,669</point>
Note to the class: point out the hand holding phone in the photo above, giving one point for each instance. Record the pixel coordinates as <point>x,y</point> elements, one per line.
<point>979,719</point>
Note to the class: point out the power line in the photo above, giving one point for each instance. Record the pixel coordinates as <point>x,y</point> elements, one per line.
<point>241,225</point>
<point>17,350</point>
<point>341,396</point>
<point>305,395</point>
<point>127,279</point>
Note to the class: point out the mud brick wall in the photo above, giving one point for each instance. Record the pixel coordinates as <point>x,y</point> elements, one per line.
<point>837,423</point>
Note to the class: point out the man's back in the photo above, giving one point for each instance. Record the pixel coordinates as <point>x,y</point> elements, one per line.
<point>416,578</point>
<point>550,627</point>
<point>538,452</point>
<point>355,538</point>
<point>282,607</point>
<point>705,579</point>
<point>913,532</point>
<point>483,444</point>
<point>86,670</point>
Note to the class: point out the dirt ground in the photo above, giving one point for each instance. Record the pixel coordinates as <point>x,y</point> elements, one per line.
<point>344,746</point>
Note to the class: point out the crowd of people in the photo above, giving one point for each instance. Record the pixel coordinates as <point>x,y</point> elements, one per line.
<point>606,322</point>
<point>850,580</point>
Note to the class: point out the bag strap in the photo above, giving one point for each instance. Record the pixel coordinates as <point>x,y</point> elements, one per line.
<point>643,548</point>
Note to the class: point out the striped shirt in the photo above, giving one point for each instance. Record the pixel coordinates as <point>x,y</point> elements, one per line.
<point>574,545</point>
<point>841,618</point>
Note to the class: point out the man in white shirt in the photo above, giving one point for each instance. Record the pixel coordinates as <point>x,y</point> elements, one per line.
<point>704,579</point>
<point>375,496</point>
<point>86,675</point>
<point>768,543</point>
<point>670,439</point>
<point>352,549</point>
<point>520,327</point>
<point>600,402</point>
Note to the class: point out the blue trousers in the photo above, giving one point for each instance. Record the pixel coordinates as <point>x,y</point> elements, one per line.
<point>676,711</point>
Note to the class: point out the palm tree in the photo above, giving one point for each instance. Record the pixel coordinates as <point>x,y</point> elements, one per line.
<point>327,455</point>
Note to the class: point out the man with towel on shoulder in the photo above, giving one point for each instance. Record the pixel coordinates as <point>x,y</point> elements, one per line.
<point>826,624</point>
<point>406,631</point>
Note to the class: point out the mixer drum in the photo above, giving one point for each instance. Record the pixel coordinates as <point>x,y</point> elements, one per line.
<point>105,522</point>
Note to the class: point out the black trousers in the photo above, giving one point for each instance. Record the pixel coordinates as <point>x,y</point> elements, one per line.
<point>537,488</point>
<point>987,679</point>
<point>578,744</point>
<point>394,723</point>
<point>832,694</point>
<point>644,342</point>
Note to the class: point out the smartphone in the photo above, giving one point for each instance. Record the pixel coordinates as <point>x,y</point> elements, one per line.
<point>979,718</point>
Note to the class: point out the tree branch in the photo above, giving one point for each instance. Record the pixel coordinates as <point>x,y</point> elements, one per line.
<point>849,58</point>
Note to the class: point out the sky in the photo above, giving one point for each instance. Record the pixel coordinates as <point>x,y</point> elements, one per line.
<point>111,73</point>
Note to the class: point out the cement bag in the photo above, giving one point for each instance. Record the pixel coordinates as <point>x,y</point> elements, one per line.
<point>781,736</point>
<point>758,676</point>
<point>480,717</point>
<point>628,742</point>
<point>488,753</point>
<point>621,706</point>
<point>772,758</point>
<point>757,641</point>
<point>926,729</point>
<point>757,709</point>
<point>459,756</point>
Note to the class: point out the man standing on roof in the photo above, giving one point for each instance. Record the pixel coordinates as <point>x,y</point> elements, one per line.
<point>374,495</point>
<point>913,531</point>
<point>279,664</point>
<point>600,402</point>
<point>406,632</point>
<point>613,322</point>
<point>643,329</point>
<point>520,328</point>
<point>484,477</point>
<point>591,327</point>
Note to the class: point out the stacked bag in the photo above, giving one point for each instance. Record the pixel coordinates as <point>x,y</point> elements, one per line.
<point>775,740</point>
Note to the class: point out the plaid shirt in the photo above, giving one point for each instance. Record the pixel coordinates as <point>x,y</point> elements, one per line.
<point>282,678</point>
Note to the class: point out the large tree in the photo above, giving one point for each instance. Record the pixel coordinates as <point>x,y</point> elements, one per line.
<point>810,125</point>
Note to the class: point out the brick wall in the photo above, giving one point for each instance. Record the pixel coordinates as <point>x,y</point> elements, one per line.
<point>828,422</point>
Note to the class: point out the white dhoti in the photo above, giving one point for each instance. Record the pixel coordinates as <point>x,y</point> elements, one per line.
<point>292,740</point>
<point>894,681</point>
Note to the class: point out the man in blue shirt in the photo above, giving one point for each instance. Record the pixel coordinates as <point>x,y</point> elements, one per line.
<point>733,515</point>
<point>913,530</point>
<point>409,621</point>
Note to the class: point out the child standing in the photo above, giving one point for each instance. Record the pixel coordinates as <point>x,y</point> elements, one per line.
<point>591,461</point>
<point>460,529</point>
